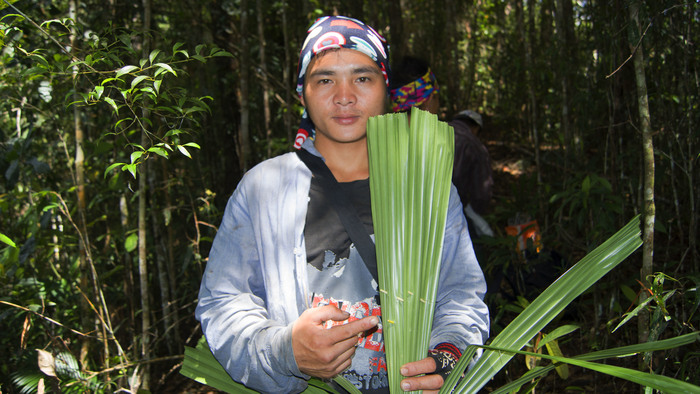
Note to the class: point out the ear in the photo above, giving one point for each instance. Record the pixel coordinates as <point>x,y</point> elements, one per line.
<point>303,102</point>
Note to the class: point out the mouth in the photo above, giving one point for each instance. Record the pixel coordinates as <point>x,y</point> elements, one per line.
<point>346,119</point>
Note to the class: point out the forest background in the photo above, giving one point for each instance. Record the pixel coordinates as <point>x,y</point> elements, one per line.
<point>125,126</point>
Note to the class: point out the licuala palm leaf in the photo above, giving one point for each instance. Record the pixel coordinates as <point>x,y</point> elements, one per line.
<point>663,383</point>
<point>200,365</point>
<point>410,181</point>
<point>544,308</point>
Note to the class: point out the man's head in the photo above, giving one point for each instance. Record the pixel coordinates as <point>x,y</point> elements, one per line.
<point>333,33</point>
<point>414,85</point>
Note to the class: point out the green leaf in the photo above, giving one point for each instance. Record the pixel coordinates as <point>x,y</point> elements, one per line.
<point>98,91</point>
<point>125,70</point>
<point>108,80</point>
<point>131,168</point>
<point>222,53</point>
<point>586,184</point>
<point>136,155</point>
<point>159,151</point>
<point>5,239</point>
<point>154,54</point>
<point>623,351</point>
<point>634,313</point>
<point>184,151</point>
<point>113,104</point>
<point>200,365</point>
<point>410,182</point>
<point>545,307</point>
<point>131,242</point>
<point>137,80</point>
<point>554,350</point>
<point>192,144</point>
<point>558,333</point>
<point>662,383</point>
<point>166,67</point>
<point>113,166</point>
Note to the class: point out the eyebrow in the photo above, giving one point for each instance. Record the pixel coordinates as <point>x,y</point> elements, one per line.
<point>322,72</point>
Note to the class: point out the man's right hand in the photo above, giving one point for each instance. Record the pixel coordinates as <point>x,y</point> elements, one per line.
<point>322,352</point>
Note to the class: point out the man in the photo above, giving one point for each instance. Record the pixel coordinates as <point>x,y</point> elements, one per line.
<point>286,295</point>
<point>415,85</point>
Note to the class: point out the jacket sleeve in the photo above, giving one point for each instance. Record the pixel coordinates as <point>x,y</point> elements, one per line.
<point>461,316</point>
<point>253,348</point>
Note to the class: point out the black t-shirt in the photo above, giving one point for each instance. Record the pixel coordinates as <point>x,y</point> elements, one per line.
<point>338,276</point>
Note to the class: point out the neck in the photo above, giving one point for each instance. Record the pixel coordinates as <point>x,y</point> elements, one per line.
<point>348,162</point>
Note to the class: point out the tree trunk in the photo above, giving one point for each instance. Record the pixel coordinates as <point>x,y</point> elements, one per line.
<point>286,79</point>
<point>565,35</point>
<point>649,210</point>
<point>399,44</point>
<point>144,372</point>
<point>80,196</point>
<point>263,76</point>
<point>170,266</point>
<point>86,268</point>
<point>161,255</point>
<point>243,132</point>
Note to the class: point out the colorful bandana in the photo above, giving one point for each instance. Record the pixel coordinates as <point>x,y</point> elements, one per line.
<point>415,93</point>
<point>338,32</point>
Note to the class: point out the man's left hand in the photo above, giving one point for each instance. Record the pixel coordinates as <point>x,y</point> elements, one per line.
<point>427,383</point>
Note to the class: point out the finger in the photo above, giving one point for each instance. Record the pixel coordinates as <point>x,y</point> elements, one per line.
<point>427,382</point>
<point>328,312</point>
<point>426,365</point>
<point>336,365</point>
<point>354,328</point>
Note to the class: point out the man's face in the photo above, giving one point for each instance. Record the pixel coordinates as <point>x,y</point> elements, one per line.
<point>342,89</point>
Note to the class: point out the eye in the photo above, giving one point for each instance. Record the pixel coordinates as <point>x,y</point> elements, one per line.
<point>363,79</point>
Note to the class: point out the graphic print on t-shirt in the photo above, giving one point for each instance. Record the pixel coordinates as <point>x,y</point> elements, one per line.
<point>338,276</point>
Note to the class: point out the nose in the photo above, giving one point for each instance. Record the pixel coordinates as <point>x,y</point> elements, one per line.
<point>345,94</point>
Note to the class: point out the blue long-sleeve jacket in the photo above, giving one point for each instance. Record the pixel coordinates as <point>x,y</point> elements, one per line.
<point>255,283</point>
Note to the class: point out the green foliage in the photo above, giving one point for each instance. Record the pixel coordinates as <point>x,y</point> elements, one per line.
<point>406,164</point>
<point>201,366</point>
<point>577,80</point>
<point>589,205</point>
<point>104,89</point>
<point>546,307</point>
<point>60,372</point>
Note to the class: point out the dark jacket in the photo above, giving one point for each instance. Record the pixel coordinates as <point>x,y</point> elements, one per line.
<point>472,168</point>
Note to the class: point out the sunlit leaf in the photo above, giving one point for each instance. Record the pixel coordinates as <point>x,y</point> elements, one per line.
<point>126,70</point>
<point>165,67</point>
<point>184,151</point>
<point>137,80</point>
<point>5,239</point>
<point>154,54</point>
<point>410,182</point>
<point>111,167</point>
<point>46,363</point>
<point>131,242</point>
<point>112,104</point>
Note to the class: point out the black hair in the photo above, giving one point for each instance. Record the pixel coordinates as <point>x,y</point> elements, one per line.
<point>408,69</point>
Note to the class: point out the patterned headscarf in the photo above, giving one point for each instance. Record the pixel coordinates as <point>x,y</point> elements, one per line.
<point>415,93</point>
<point>338,32</point>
